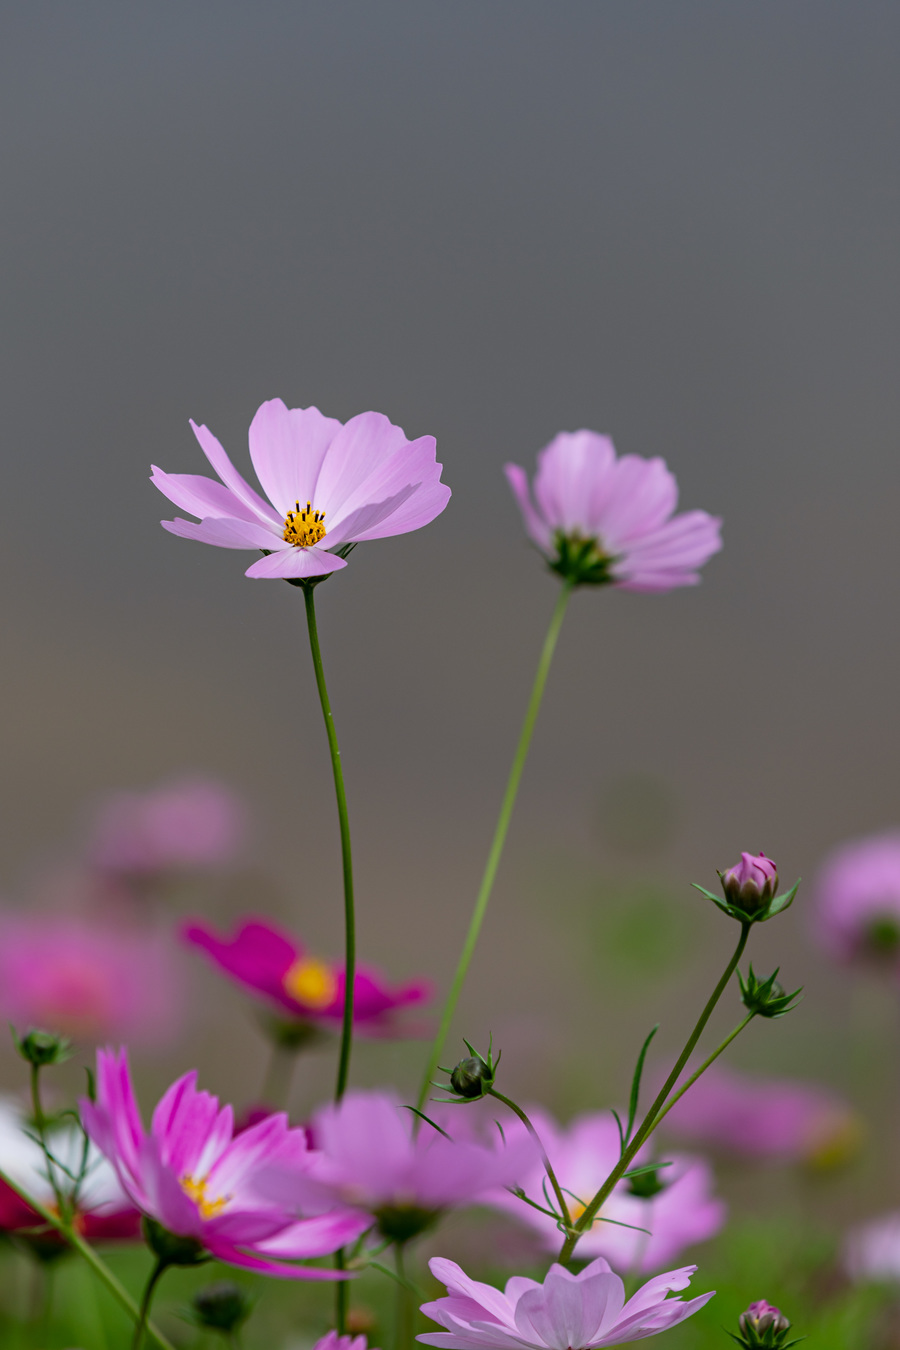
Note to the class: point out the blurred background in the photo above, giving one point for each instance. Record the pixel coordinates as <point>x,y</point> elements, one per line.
<point>677,224</point>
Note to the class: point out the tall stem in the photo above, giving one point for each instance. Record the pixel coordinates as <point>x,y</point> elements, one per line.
<point>346,854</point>
<point>650,1119</point>
<point>536,1139</point>
<point>141,1323</point>
<point>493,861</point>
<point>100,1268</point>
<point>703,1067</point>
<point>404,1306</point>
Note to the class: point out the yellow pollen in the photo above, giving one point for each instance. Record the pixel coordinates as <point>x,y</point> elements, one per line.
<point>197,1191</point>
<point>311,982</point>
<point>304,527</point>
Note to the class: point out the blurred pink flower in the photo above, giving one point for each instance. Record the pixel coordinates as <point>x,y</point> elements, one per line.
<point>270,962</point>
<point>778,1118</point>
<point>373,1157</point>
<point>683,1212</point>
<point>88,979</point>
<point>601,519</point>
<point>856,900</point>
<point>332,1341</point>
<point>331,485</point>
<point>198,1181</point>
<point>185,825</point>
<point>103,1214</point>
<point>566,1312</point>
<point>872,1250</point>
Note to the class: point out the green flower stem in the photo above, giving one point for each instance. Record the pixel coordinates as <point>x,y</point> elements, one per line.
<point>149,1291</point>
<point>703,1067</point>
<point>650,1118</point>
<point>493,862</point>
<point>551,1175</point>
<point>100,1268</point>
<point>405,1308</point>
<point>341,1294</point>
<point>40,1125</point>
<point>346,854</point>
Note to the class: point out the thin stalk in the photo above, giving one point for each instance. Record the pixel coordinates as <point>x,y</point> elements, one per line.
<point>346,854</point>
<point>551,1175</point>
<point>496,851</point>
<point>405,1310</point>
<point>100,1268</point>
<point>149,1291</point>
<point>40,1124</point>
<point>703,1067</point>
<point>341,1294</point>
<point>650,1118</point>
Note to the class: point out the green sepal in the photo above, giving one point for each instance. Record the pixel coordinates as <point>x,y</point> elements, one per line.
<point>776,905</point>
<point>766,998</point>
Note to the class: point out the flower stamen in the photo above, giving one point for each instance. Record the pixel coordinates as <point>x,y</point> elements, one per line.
<point>311,982</point>
<point>304,527</point>
<point>197,1191</point>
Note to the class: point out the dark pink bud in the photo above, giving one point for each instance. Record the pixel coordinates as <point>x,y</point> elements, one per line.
<point>761,1317</point>
<point>752,883</point>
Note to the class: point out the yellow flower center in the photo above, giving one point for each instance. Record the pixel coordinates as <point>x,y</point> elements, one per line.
<point>311,982</point>
<point>304,527</point>
<point>197,1191</point>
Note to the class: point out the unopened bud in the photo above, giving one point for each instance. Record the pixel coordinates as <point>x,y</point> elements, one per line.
<point>472,1077</point>
<point>645,1185</point>
<point>763,1327</point>
<point>223,1306</point>
<point>41,1048</point>
<point>752,883</point>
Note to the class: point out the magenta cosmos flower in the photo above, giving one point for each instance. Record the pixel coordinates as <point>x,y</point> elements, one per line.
<point>269,962</point>
<point>89,979</point>
<point>777,1118</point>
<point>332,1341</point>
<point>566,1312</point>
<point>187,825</point>
<point>682,1212</point>
<point>372,1156</point>
<point>598,519</point>
<point>197,1180</point>
<point>857,900</point>
<point>330,484</point>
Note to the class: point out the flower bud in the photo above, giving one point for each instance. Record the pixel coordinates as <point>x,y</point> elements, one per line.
<point>222,1306</point>
<point>763,1327</point>
<point>645,1185</point>
<point>752,883</point>
<point>40,1048</point>
<point>171,1248</point>
<point>472,1077</point>
<point>766,998</point>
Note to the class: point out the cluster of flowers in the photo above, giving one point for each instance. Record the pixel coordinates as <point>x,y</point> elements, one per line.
<point>365,1172</point>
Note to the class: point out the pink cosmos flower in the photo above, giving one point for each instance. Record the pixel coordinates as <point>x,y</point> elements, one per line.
<point>270,962</point>
<point>103,1214</point>
<point>332,1341</point>
<point>199,1181</point>
<point>185,825</point>
<point>372,1157</point>
<point>857,900</point>
<point>599,519</point>
<point>566,1312</point>
<point>872,1251</point>
<point>88,979</point>
<point>331,485</point>
<point>683,1212</point>
<point>778,1118</point>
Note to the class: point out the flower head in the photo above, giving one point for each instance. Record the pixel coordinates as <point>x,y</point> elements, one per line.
<point>103,1212</point>
<point>680,1210</point>
<point>872,1251</point>
<point>751,883</point>
<point>191,1177</point>
<point>88,979</point>
<point>330,485</point>
<point>602,520</point>
<point>185,825</point>
<point>857,901</point>
<point>271,963</point>
<point>373,1157</point>
<point>566,1312</point>
<point>777,1118</point>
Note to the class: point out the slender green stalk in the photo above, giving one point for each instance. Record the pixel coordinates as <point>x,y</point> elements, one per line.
<point>405,1309</point>
<point>100,1268</point>
<point>40,1125</point>
<point>551,1175</point>
<point>149,1291</point>
<point>346,854</point>
<point>341,1294</point>
<point>496,851</point>
<point>703,1067</point>
<point>650,1119</point>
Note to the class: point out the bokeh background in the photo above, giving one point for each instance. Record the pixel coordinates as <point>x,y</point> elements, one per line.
<point>677,224</point>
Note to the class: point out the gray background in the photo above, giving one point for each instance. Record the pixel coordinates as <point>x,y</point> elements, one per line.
<point>675,223</point>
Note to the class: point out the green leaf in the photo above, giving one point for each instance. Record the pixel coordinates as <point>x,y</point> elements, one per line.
<point>636,1082</point>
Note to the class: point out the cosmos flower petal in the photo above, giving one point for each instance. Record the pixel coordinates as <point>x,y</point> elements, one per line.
<point>358,453</point>
<point>202,497</point>
<point>215,453</point>
<point>225,533</point>
<point>292,563</point>
<point>573,472</point>
<point>287,447</point>
<point>535,523</point>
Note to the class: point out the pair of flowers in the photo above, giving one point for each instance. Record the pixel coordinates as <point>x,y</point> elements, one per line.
<point>264,1199</point>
